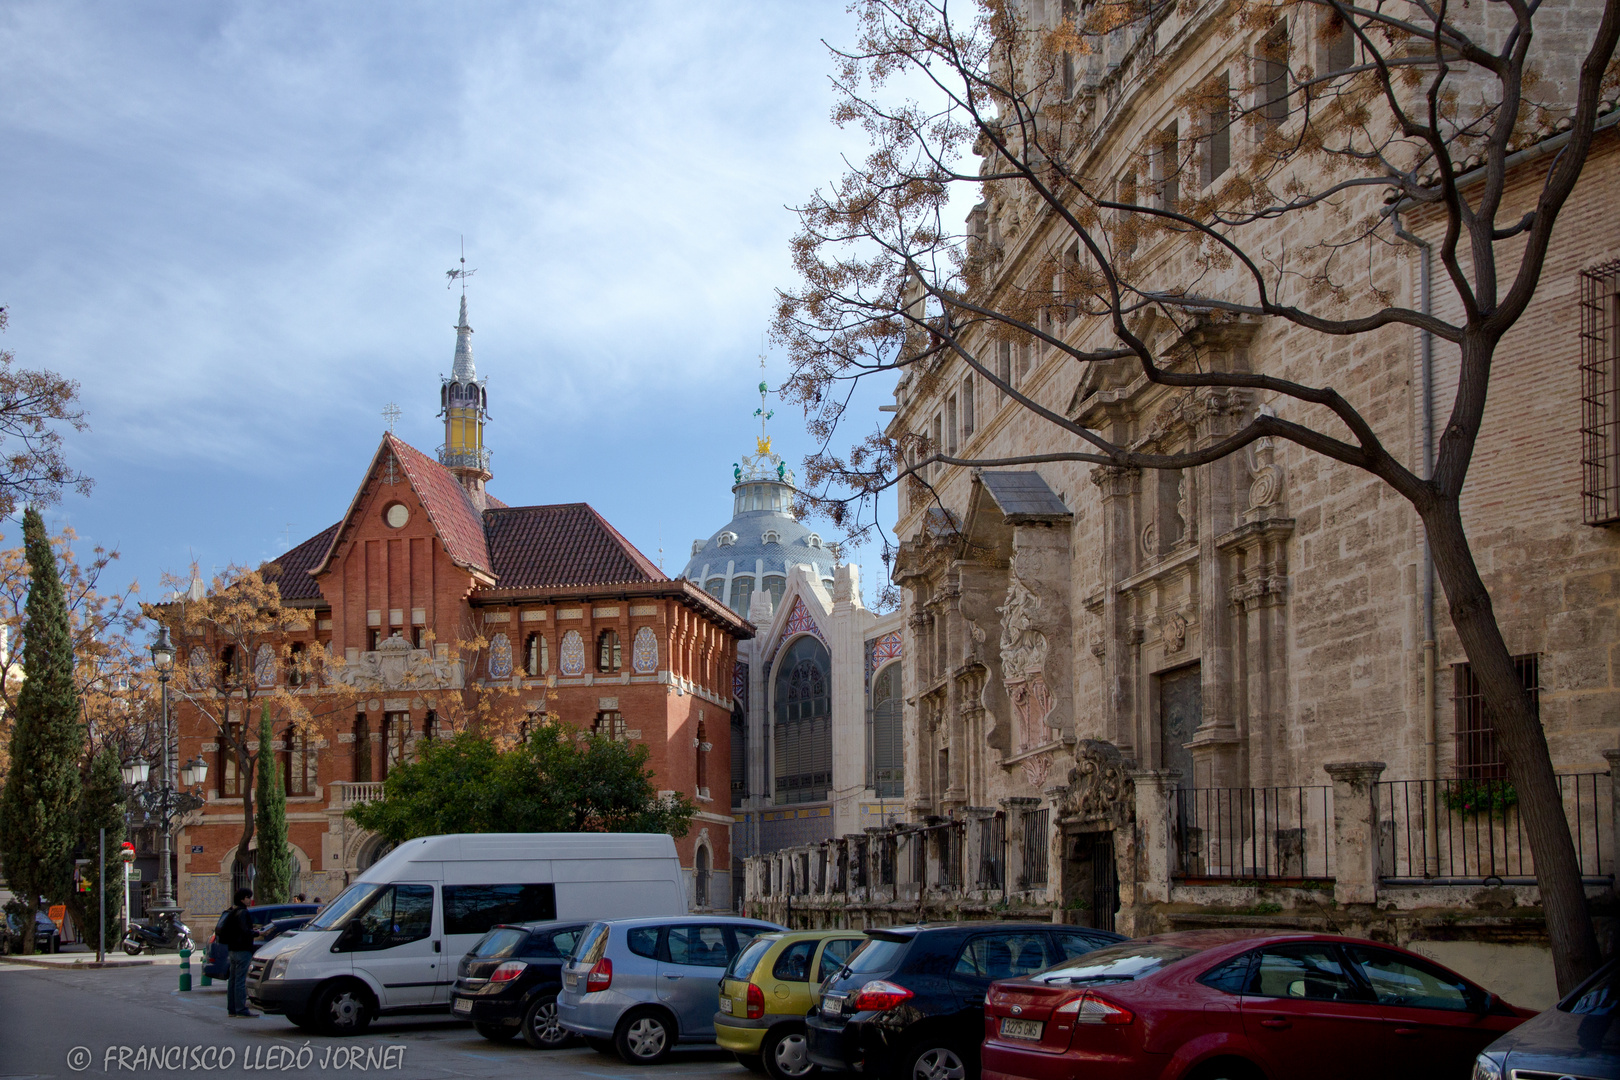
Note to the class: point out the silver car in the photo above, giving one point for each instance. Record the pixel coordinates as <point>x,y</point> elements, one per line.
<point>637,987</point>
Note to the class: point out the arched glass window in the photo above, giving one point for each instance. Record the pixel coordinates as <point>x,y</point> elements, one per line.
<point>742,591</point>
<point>608,653</point>
<point>715,587</point>
<point>803,728</point>
<point>776,585</point>
<point>535,659</point>
<point>700,883</point>
<point>888,751</point>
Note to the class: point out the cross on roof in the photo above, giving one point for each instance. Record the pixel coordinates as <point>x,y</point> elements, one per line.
<point>390,415</point>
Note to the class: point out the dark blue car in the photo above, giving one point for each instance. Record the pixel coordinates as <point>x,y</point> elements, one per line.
<point>269,921</point>
<point>1579,1037</point>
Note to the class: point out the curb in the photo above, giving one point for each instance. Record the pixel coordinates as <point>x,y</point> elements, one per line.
<point>76,965</point>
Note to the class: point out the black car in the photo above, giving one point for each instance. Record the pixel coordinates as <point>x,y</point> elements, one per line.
<point>217,965</point>
<point>1578,1037</point>
<point>508,982</point>
<point>47,939</point>
<point>910,1002</point>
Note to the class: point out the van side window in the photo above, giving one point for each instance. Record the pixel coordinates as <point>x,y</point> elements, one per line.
<point>399,914</point>
<point>474,909</point>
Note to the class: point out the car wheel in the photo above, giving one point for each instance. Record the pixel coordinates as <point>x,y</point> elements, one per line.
<point>541,1029</point>
<point>495,1032</point>
<point>645,1037</point>
<point>343,1009</point>
<point>602,1046</point>
<point>751,1062</point>
<point>937,1061</point>
<point>785,1053</point>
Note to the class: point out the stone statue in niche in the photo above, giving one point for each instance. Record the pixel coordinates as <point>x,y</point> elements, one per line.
<point>1184,505</point>
<point>1023,660</point>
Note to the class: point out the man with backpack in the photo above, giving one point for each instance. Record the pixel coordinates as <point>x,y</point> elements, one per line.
<point>235,931</point>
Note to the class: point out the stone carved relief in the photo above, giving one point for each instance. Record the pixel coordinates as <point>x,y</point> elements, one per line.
<point>1099,785</point>
<point>1174,632</point>
<point>1150,540</point>
<point>1023,661</point>
<point>394,665</point>
<point>1265,475</point>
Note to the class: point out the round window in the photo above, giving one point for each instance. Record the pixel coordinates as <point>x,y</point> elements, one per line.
<point>396,516</point>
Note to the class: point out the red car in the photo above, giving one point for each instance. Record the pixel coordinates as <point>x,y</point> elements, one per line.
<point>1241,1005</point>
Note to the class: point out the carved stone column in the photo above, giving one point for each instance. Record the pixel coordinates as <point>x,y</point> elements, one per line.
<point>1118,486</point>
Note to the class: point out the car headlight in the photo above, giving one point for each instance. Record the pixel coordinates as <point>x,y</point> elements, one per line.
<point>1488,1066</point>
<point>277,969</point>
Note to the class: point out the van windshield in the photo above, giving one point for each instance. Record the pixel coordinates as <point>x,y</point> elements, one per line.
<point>336,915</point>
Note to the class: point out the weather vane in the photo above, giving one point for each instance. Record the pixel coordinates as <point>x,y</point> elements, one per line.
<point>461,274</point>
<point>390,415</point>
<point>764,444</point>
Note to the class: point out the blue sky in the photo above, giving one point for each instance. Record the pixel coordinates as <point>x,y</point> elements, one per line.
<point>230,222</point>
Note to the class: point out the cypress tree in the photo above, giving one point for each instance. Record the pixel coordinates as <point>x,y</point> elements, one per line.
<point>39,807</point>
<point>273,862</point>
<point>101,806</point>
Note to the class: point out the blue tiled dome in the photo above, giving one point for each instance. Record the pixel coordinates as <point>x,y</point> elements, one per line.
<point>755,548</point>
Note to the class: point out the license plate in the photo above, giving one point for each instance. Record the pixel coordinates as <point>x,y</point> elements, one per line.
<point>463,1005</point>
<point>571,980</point>
<point>725,1005</point>
<point>832,1006</point>
<point>1021,1029</point>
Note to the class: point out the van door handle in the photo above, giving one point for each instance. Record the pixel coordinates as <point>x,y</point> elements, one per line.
<point>436,946</point>
<point>1277,1022</point>
<point>674,976</point>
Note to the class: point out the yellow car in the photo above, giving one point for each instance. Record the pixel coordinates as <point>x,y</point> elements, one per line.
<point>768,989</point>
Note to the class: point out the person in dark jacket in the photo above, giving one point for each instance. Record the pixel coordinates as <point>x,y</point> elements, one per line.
<point>235,932</point>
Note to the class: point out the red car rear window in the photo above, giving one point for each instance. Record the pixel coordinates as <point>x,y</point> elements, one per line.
<point>1127,961</point>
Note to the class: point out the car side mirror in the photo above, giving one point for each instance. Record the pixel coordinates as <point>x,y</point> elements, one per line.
<point>1487,1002</point>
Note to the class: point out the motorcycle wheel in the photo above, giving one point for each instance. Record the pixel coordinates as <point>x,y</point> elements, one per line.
<point>185,942</point>
<point>132,946</point>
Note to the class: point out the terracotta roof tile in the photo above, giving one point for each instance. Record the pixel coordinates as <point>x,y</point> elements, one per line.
<point>292,575</point>
<point>553,546</point>
<point>455,518</point>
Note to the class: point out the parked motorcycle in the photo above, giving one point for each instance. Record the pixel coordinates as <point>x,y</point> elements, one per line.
<point>167,932</point>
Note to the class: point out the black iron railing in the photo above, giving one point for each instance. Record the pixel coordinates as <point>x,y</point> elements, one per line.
<point>1274,833</point>
<point>1478,834</point>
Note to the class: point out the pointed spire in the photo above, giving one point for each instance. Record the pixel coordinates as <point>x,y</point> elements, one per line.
<point>463,370</point>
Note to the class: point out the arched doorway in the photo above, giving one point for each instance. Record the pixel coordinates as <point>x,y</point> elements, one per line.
<point>700,877</point>
<point>803,723</point>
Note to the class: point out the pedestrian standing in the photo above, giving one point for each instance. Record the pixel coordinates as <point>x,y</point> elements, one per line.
<point>235,932</point>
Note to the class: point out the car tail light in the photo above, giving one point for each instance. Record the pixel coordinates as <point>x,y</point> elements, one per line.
<point>756,1002</point>
<point>507,971</point>
<point>1088,1008</point>
<point>879,996</point>
<point>601,976</point>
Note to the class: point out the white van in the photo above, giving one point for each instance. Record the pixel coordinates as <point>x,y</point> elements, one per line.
<point>390,943</point>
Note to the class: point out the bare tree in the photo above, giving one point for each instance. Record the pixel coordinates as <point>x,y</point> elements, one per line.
<point>1414,108</point>
<point>32,404</point>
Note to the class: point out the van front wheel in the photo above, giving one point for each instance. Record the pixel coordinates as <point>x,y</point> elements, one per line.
<point>342,1009</point>
<point>645,1037</point>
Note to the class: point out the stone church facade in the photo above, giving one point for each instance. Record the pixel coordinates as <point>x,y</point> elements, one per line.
<point>444,609</point>
<point>1145,699</point>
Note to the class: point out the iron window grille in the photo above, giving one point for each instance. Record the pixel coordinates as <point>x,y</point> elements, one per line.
<point>1477,755</point>
<point>1035,846</point>
<point>1600,394</point>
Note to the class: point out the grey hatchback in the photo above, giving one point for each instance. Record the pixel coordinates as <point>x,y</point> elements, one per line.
<point>637,987</point>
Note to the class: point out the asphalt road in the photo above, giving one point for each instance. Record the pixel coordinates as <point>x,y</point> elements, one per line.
<point>111,1014</point>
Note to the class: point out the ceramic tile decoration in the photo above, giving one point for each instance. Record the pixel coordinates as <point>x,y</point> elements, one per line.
<point>739,683</point>
<point>264,666</point>
<point>571,654</point>
<point>800,622</point>
<point>500,657</point>
<point>644,654</point>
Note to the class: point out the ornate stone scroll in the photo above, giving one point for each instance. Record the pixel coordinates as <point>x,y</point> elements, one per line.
<point>1023,663</point>
<point>395,665</point>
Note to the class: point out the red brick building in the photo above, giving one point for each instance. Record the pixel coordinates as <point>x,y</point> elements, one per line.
<point>449,609</point>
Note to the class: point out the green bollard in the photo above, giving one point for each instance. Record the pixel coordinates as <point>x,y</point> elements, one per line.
<point>206,981</point>
<point>185,970</point>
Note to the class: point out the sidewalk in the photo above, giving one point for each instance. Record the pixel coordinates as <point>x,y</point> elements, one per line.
<point>77,956</point>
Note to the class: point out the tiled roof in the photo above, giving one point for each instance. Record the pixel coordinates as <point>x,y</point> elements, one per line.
<point>454,516</point>
<point>537,547</point>
<point>291,573</point>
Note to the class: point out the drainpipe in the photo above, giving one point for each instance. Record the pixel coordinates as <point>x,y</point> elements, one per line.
<point>1431,759</point>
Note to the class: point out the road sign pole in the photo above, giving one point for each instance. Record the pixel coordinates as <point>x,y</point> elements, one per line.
<point>101,894</point>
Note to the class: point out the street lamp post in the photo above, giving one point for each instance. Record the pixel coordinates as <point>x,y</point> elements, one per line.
<point>163,660</point>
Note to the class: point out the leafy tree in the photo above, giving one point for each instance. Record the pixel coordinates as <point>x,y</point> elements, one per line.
<point>273,878</point>
<point>1114,246</point>
<point>39,806</point>
<point>556,781</point>
<point>101,805</point>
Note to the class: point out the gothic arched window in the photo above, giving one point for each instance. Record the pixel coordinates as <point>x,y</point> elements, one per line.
<point>888,752</point>
<point>803,727</point>
<point>608,651</point>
